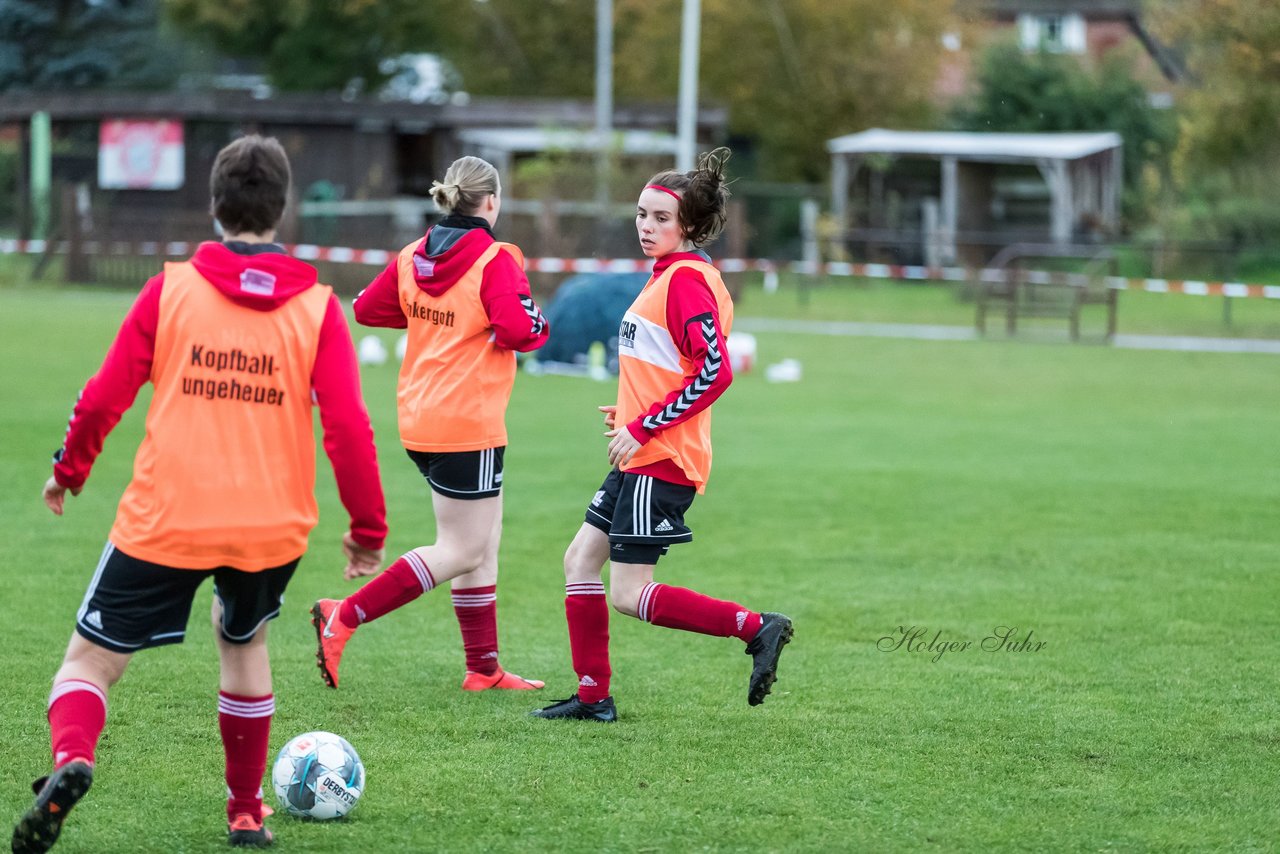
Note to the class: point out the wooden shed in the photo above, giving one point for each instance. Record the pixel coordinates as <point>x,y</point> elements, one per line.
<point>944,197</point>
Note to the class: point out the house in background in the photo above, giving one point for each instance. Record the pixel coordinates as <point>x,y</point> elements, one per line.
<point>1089,29</point>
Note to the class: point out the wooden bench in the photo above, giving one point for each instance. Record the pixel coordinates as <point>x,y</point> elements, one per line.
<point>1023,293</point>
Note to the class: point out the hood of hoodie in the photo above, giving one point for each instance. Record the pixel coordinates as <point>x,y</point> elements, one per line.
<point>446,253</point>
<point>263,280</point>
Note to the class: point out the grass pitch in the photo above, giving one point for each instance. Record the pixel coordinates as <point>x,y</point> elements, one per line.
<point>1118,507</point>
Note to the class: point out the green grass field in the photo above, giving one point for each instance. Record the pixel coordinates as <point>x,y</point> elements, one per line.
<point>884,301</point>
<point>1122,505</point>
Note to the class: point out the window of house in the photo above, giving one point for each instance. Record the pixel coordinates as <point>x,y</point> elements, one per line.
<point>1063,33</point>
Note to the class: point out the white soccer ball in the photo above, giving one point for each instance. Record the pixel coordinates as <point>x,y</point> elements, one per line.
<point>318,775</point>
<point>371,350</point>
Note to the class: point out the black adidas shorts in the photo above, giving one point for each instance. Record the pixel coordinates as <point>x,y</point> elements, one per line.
<point>467,474</point>
<point>641,514</point>
<point>133,604</point>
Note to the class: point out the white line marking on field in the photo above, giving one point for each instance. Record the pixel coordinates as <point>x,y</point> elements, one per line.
<point>965,333</point>
<point>1199,345</point>
<point>871,330</point>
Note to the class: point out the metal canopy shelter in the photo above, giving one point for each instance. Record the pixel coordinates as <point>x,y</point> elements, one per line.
<point>1083,171</point>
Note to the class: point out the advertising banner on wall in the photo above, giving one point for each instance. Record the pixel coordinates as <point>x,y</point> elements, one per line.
<point>140,154</point>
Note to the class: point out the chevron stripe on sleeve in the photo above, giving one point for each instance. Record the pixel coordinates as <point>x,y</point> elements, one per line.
<point>535,314</point>
<point>701,383</point>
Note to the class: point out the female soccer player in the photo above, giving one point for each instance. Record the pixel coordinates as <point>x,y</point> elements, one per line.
<point>672,366</point>
<point>466,302</point>
<point>237,343</point>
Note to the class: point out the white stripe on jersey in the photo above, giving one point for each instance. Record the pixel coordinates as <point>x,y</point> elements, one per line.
<point>651,343</point>
<point>93,582</point>
<point>640,506</point>
<point>647,513</point>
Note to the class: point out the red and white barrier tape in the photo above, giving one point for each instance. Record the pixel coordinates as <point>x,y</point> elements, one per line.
<point>379,257</point>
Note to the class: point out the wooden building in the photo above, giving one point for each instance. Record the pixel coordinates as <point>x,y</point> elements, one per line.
<point>344,153</point>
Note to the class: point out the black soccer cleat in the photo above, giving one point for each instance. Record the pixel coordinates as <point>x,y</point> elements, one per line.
<point>56,794</point>
<point>574,709</point>
<point>765,649</point>
<point>245,831</point>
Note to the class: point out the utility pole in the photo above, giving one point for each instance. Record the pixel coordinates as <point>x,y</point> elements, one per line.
<point>687,118</point>
<point>604,107</point>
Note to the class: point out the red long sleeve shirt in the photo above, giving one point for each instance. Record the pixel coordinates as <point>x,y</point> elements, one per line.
<point>447,252</point>
<point>335,379</point>
<point>689,304</point>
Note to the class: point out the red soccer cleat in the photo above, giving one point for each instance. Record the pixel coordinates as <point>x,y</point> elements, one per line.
<point>508,681</point>
<point>331,638</point>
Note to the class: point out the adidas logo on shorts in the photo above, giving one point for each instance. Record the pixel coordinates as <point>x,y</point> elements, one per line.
<point>663,527</point>
<point>94,618</point>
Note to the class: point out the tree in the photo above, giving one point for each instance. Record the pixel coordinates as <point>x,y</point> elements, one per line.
<point>793,73</point>
<point>78,44</point>
<point>513,48</point>
<point>300,44</point>
<point>499,46</point>
<point>1048,92</point>
<point>1229,147</point>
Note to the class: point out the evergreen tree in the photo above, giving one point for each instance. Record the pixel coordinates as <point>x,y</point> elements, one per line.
<point>83,44</point>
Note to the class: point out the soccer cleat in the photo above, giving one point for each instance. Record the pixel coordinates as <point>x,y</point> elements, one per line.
<point>245,831</point>
<point>474,681</point>
<point>574,709</point>
<point>331,638</point>
<point>764,649</point>
<point>56,794</point>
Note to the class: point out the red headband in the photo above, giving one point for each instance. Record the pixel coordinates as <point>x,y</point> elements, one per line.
<point>670,192</point>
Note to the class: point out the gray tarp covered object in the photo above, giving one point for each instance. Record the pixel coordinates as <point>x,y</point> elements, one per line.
<point>588,308</point>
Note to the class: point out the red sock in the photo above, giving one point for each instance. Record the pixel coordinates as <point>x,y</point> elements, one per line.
<point>588,614</point>
<point>477,610</point>
<point>397,585</point>
<point>77,714</point>
<point>245,723</point>
<point>678,608</point>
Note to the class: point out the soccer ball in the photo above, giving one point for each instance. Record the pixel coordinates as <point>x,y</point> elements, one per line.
<point>318,775</point>
<point>371,350</point>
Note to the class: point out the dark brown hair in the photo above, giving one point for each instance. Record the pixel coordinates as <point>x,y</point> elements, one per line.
<point>250,185</point>
<point>704,197</point>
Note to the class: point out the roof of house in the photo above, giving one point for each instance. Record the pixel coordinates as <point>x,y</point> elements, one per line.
<point>1128,11</point>
<point>993,147</point>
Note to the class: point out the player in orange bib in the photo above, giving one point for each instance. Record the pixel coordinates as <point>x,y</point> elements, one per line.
<point>672,365</point>
<point>236,342</point>
<point>466,304</point>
